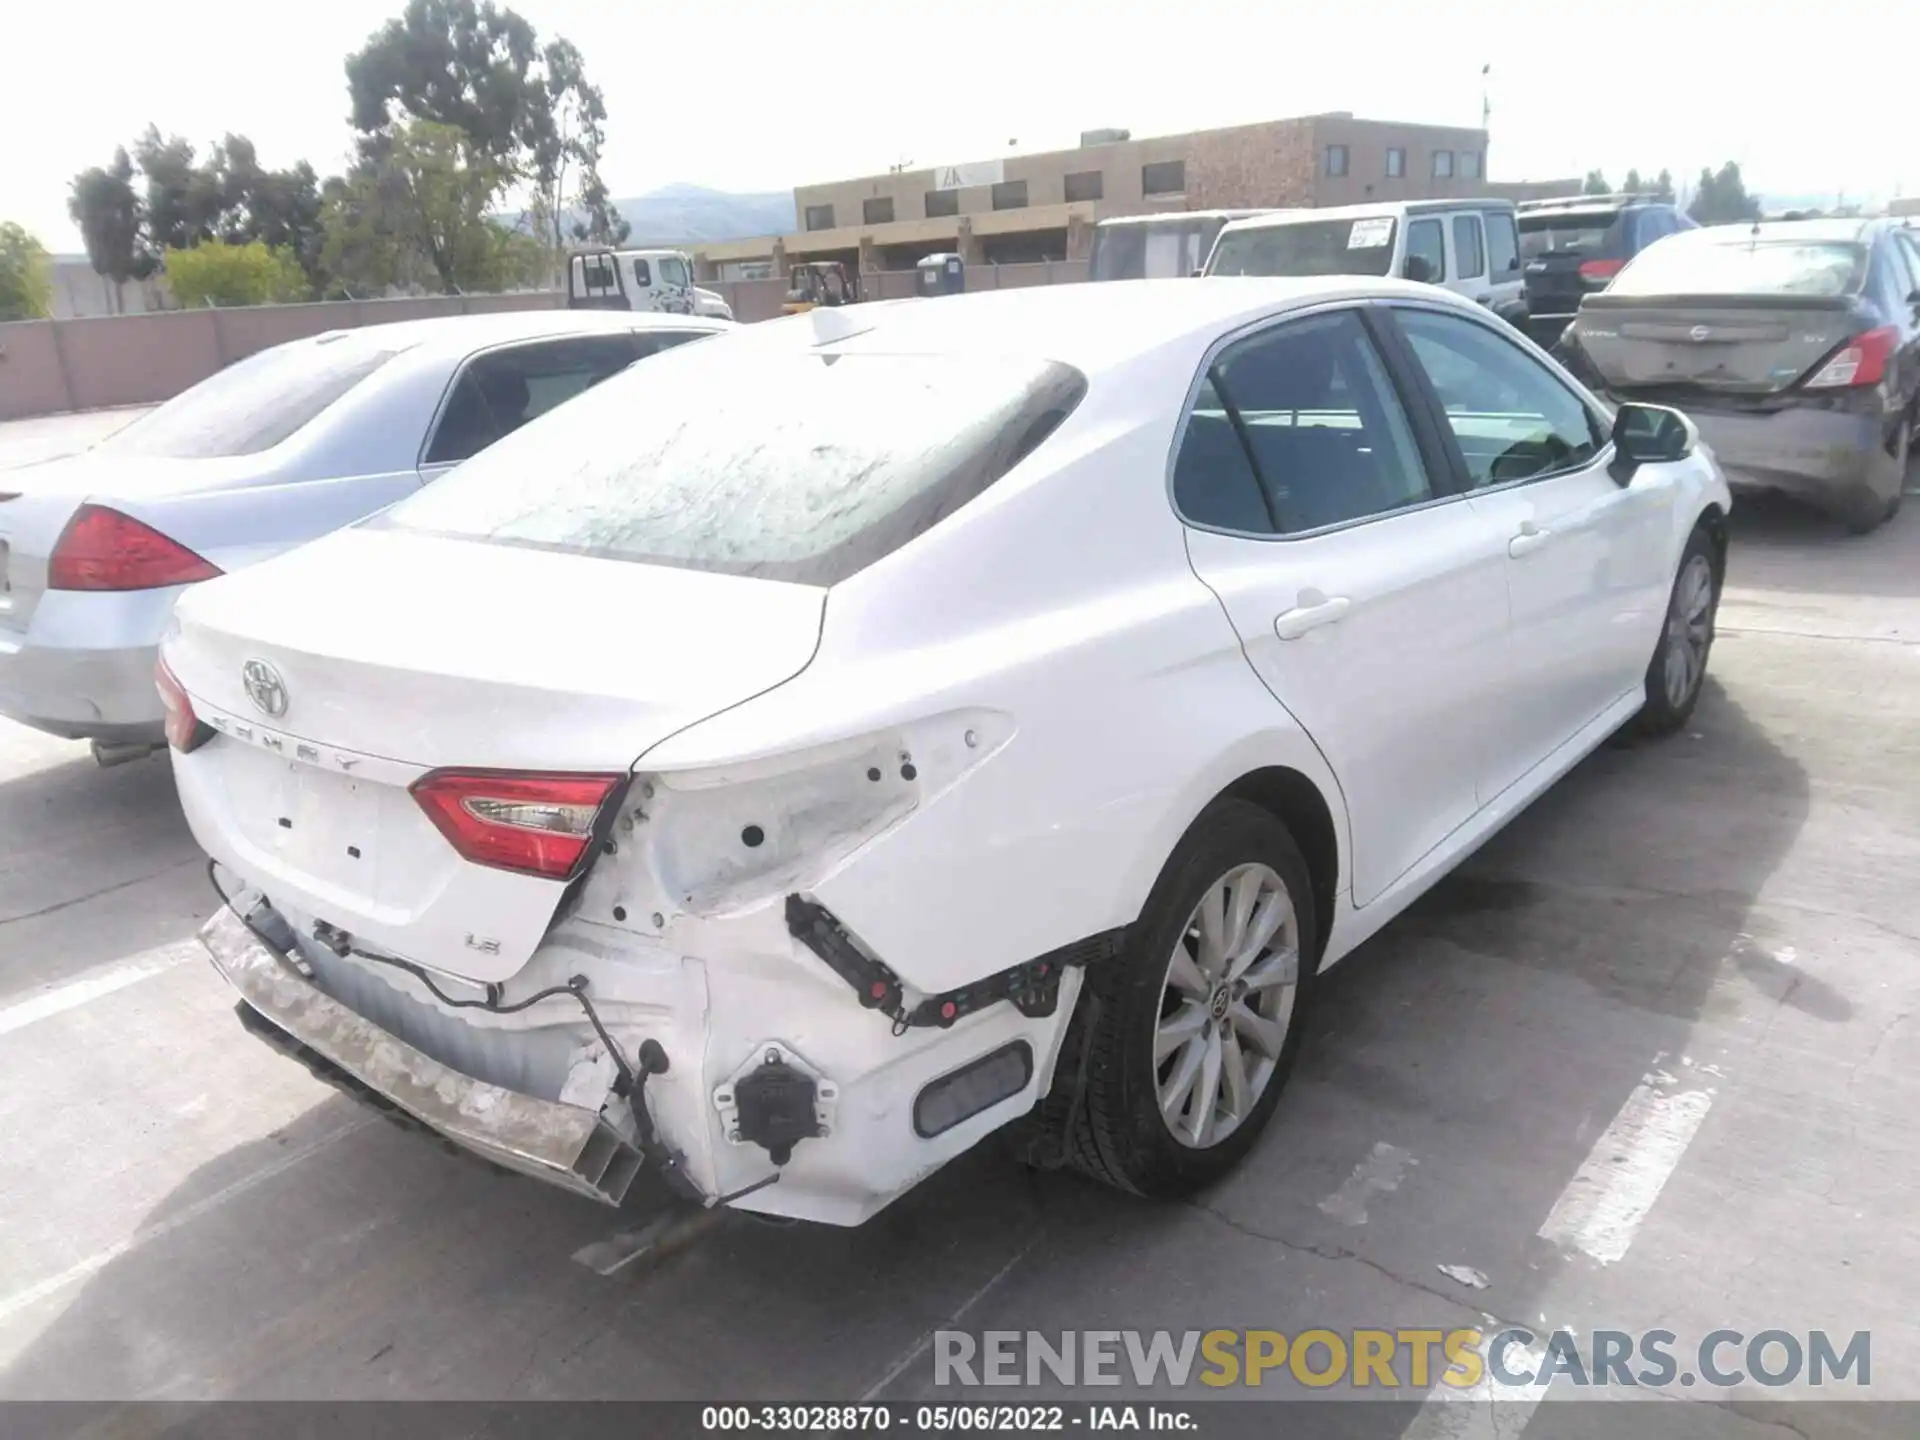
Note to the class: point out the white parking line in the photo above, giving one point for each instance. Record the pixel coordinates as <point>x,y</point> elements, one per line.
<point>1611,1193</point>
<point>90,987</point>
<point>1483,1411</point>
<point>20,1299</point>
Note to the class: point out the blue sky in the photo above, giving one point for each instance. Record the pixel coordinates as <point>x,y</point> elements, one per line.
<point>765,96</point>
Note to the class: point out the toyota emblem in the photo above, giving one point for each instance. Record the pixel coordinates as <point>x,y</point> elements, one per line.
<point>265,688</point>
<point>1698,333</point>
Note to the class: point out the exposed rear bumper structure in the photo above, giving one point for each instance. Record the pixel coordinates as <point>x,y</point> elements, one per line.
<point>1825,457</point>
<point>567,1145</point>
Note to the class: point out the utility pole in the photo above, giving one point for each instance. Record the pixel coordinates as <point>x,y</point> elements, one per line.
<point>1486,104</point>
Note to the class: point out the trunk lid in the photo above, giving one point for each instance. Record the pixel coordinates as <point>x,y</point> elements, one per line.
<point>396,653</point>
<point>1719,345</point>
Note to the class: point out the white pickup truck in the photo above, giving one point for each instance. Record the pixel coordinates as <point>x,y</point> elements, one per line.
<point>660,280</point>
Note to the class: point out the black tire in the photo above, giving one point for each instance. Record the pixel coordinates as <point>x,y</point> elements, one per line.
<point>1868,509</point>
<point>1665,711</point>
<point>1103,1115</point>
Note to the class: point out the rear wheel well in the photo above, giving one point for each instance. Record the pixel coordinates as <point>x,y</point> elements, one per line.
<point>1296,802</point>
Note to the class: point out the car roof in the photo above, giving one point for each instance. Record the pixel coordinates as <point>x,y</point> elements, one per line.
<point>1176,217</point>
<point>1608,204</point>
<point>441,335</point>
<point>1266,219</point>
<point>1091,327</point>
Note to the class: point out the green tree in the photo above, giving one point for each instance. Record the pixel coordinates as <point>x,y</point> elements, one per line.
<point>1722,197</point>
<point>417,207</point>
<point>1663,187</point>
<point>1596,184</point>
<point>184,200</point>
<point>111,218</point>
<point>1632,184</point>
<point>480,69</point>
<point>26,275</point>
<point>216,272</point>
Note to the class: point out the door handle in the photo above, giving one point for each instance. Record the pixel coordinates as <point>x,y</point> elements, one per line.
<point>1313,611</point>
<point>1530,539</point>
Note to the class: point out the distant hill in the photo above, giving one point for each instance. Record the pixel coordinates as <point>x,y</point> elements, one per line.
<point>676,214</point>
<point>688,214</point>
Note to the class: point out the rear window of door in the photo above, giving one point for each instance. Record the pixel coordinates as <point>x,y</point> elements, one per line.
<point>1469,250</point>
<point>1503,244</point>
<point>1511,417</point>
<point>498,392</point>
<point>1297,428</point>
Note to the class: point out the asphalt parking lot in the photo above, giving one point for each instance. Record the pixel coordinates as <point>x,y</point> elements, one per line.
<point>1650,1059</point>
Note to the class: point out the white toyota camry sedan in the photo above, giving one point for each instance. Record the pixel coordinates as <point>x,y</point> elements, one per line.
<point>784,767</point>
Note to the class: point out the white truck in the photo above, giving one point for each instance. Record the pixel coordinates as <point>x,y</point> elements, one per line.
<point>660,280</point>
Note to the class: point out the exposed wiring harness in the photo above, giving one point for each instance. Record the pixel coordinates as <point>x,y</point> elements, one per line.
<point>630,1084</point>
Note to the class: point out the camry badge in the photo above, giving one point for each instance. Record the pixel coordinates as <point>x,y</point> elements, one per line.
<point>265,688</point>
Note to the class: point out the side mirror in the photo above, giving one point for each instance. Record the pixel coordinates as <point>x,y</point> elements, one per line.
<point>1419,269</point>
<point>1649,435</point>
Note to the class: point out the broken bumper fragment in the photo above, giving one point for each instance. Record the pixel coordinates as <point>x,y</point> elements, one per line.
<point>568,1145</point>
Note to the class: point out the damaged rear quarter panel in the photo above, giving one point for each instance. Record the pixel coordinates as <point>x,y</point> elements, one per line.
<point>1130,703</point>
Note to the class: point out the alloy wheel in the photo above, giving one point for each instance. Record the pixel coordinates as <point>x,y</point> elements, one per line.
<point>1227,1005</point>
<point>1689,630</point>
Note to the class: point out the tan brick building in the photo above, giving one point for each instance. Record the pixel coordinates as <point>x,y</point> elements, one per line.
<point>1042,207</point>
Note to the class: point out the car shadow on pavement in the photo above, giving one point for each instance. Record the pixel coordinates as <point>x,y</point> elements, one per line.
<point>1480,1044</point>
<point>1779,544</point>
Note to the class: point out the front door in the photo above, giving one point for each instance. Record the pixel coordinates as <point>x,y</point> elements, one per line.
<point>1586,566</point>
<point>1370,601</point>
<point>676,284</point>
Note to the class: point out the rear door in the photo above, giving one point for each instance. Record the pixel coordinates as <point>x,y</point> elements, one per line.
<point>1467,244</point>
<point>1586,557</point>
<point>1369,598</point>
<point>498,391</point>
<point>1504,281</point>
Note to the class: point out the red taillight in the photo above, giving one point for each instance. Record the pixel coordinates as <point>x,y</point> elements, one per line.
<point>183,727</point>
<point>535,824</point>
<point>1861,361</point>
<point>102,549</point>
<point>1599,272</point>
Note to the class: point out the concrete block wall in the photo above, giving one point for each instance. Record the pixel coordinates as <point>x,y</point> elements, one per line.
<point>50,366</point>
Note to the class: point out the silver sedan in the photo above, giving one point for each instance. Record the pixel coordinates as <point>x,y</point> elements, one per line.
<point>270,453</point>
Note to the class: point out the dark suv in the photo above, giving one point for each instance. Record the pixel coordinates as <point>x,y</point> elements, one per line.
<point>1575,246</point>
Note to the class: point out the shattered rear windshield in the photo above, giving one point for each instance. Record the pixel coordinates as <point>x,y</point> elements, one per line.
<point>750,460</point>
